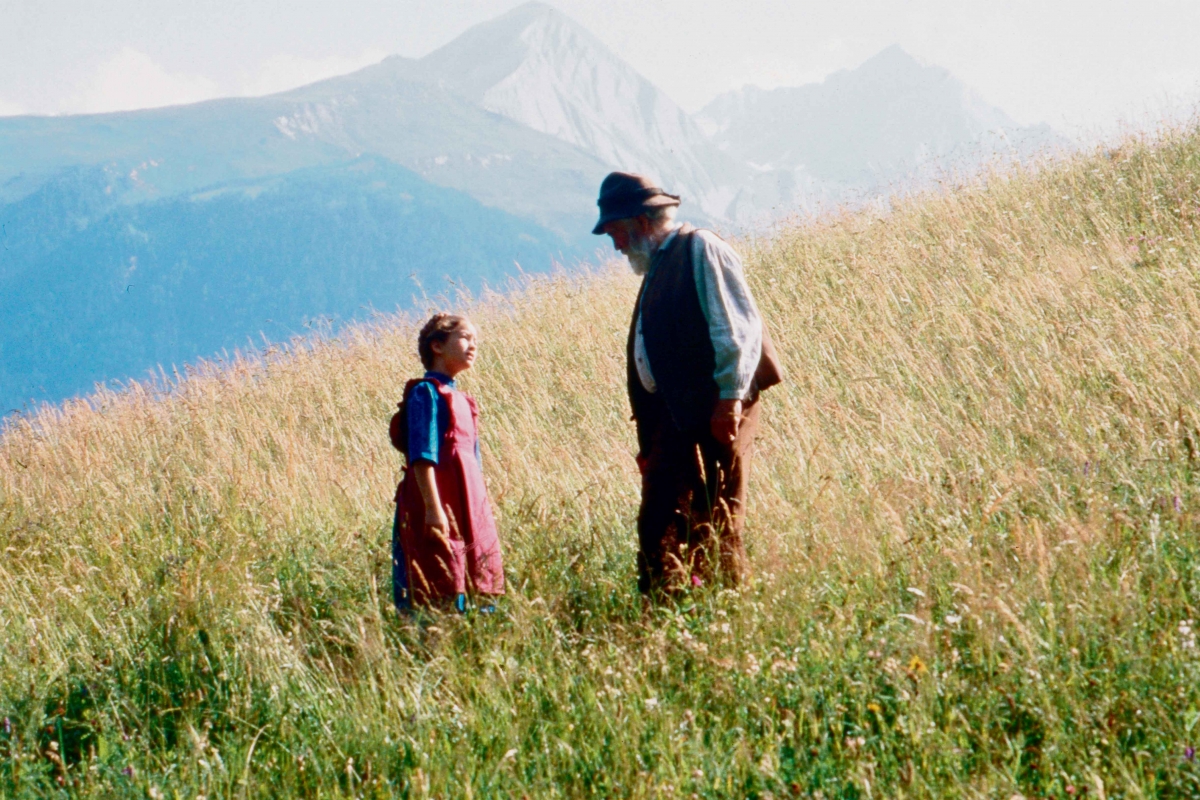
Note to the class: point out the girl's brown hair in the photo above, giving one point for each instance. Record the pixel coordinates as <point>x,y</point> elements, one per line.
<point>438,329</point>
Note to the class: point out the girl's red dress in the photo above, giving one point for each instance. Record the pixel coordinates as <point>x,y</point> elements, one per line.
<point>468,561</point>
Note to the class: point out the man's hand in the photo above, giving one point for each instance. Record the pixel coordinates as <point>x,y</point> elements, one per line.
<point>725,420</point>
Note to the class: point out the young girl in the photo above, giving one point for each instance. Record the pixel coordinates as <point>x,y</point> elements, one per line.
<point>444,543</point>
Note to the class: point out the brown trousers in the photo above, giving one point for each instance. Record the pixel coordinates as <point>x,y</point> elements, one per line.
<point>693,503</point>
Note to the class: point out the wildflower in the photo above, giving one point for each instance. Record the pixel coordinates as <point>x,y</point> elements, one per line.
<point>916,667</point>
<point>651,703</point>
<point>1070,789</point>
<point>129,771</point>
<point>1187,634</point>
<point>697,581</point>
<point>1178,503</point>
<point>7,727</point>
<point>1190,753</point>
<point>874,708</point>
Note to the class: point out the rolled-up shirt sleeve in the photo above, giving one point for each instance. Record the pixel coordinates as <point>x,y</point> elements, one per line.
<point>733,320</point>
<point>423,434</point>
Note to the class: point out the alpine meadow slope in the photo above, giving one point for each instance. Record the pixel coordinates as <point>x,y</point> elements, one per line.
<point>973,523</point>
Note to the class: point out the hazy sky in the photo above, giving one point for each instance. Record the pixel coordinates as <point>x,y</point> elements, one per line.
<point>1080,65</point>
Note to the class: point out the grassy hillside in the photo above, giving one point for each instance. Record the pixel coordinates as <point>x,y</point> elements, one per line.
<point>973,522</point>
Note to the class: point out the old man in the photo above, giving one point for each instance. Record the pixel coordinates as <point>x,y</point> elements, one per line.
<point>698,356</point>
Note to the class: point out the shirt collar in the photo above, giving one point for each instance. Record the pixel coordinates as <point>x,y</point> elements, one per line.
<point>441,377</point>
<point>670,237</point>
<point>662,246</point>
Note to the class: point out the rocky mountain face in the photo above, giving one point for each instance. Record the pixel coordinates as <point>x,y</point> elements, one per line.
<point>391,109</point>
<point>890,121</point>
<point>535,66</point>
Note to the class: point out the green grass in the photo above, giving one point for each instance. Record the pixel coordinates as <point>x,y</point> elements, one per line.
<point>973,526</point>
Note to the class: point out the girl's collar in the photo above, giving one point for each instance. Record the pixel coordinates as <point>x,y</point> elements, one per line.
<point>440,377</point>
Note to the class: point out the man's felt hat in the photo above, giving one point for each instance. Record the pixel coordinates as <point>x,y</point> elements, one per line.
<point>624,195</point>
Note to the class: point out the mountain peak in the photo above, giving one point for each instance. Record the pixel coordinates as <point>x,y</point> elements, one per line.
<point>891,118</point>
<point>533,11</point>
<point>537,66</point>
<point>895,66</point>
<point>892,56</point>
<point>488,53</point>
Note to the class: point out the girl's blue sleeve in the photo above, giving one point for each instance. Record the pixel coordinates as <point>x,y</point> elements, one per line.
<point>423,435</point>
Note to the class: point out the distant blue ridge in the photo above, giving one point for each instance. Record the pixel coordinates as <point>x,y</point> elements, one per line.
<point>95,289</point>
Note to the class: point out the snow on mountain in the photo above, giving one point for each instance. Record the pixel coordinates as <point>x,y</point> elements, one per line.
<point>536,66</point>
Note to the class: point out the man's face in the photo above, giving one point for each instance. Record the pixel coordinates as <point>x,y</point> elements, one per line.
<point>631,237</point>
<point>623,233</point>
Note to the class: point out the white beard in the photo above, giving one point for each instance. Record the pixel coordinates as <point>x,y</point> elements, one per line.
<point>639,255</point>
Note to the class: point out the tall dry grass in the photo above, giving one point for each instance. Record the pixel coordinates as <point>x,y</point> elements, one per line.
<point>973,523</point>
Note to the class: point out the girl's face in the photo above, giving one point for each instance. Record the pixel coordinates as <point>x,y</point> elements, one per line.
<point>457,353</point>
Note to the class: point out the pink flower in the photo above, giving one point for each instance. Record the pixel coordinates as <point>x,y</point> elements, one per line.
<point>697,581</point>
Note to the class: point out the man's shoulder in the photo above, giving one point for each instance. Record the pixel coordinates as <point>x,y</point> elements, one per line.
<point>711,242</point>
<point>708,236</point>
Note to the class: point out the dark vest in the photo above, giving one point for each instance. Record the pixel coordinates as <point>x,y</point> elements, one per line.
<point>678,344</point>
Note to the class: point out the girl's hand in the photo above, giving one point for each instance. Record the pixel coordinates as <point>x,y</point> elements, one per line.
<point>436,523</point>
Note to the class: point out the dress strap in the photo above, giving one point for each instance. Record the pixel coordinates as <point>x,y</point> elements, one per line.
<point>446,394</point>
